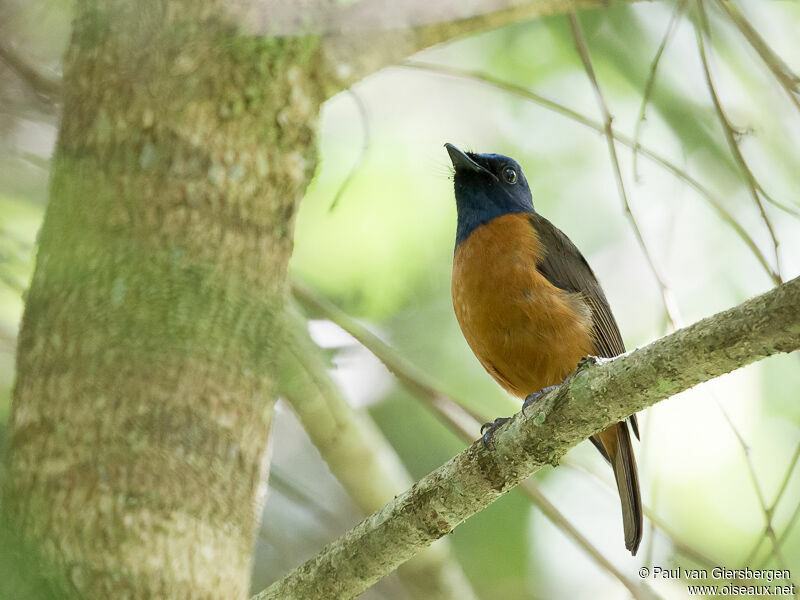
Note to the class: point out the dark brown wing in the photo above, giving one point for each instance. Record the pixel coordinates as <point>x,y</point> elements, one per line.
<point>565,267</point>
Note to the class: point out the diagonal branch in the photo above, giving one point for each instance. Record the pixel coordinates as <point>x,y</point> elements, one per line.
<point>359,456</point>
<point>769,529</point>
<point>752,184</point>
<point>412,378</point>
<point>366,138</point>
<point>675,539</point>
<point>372,40</point>
<point>786,78</point>
<point>46,87</point>
<point>601,392</point>
<point>651,80</point>
<point>786,531</point>
<point>457,418</point>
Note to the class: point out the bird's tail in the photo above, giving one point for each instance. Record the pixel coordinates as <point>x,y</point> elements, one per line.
<point>616,441</point>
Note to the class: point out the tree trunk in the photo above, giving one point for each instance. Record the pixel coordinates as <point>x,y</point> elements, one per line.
<point>138,435</point>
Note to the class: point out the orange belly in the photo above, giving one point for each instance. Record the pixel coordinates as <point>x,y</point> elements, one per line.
<point>527,333</point>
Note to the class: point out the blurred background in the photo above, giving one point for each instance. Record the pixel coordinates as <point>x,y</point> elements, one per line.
<point>375,236</point>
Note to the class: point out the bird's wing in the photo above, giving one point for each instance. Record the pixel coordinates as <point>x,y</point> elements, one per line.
<point>563,265</point>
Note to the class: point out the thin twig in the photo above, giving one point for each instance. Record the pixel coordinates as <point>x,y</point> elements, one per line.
<point>651,79</point>
<point>754,188</point>
<point>11,282</point>
<point>366,36</point>
<point>284,483</point>
<point>44,86</point>
<point>366,137</point>
<point>583,51</point>
<point>534,492</point>
<point>751,556</point>
<point>8,337</point>
<point>648,90</point>
<point>680,546</point>
<point>787,476</point>
<point>453,415</point>
<point>782,72</point>
<point>730,135</point>
<point>786,531</point>
<point>751,470</point>
<point>658,159</point>
<point>785,208</point>
<point>645,455</point>
<point>35,160</point>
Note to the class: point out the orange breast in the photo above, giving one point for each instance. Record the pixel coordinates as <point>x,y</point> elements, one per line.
<point>527,333</point>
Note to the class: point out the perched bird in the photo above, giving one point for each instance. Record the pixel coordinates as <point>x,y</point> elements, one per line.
<point>529,305</point>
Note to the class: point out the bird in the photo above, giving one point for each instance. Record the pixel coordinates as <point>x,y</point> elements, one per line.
<point>529,304</point>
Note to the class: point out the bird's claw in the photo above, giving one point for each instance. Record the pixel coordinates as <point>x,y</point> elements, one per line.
<point>488,429</point>
<point>536,396</point>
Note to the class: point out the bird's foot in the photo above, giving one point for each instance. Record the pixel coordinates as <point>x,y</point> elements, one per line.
<point>536,396</point>
<point>488,429</point>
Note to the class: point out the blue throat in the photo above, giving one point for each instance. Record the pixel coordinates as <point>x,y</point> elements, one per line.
<point>477,206</point>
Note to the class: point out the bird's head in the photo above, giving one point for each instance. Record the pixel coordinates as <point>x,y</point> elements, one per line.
<point>486,186</point>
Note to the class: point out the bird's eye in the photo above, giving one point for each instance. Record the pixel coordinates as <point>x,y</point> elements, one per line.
<point>510,174</point>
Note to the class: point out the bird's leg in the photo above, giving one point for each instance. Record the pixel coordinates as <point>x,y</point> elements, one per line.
<point>488,429</point>
<point>537,395</point>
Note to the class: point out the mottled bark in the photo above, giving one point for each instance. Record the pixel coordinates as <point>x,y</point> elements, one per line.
<point>600,393</point>
<point>138,437</point>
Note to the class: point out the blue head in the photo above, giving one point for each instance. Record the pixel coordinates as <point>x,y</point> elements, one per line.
<point>487,186</point>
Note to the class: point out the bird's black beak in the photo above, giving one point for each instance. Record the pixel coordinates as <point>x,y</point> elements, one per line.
<point>462,162</point>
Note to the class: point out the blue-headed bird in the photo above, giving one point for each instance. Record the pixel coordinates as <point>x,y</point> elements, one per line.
<point>529,305</point>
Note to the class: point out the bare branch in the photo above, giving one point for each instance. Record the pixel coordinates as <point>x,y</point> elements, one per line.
<point>366,136</point>
<point>769,530</point>
<point>377,36</point>
<point>750,180</point>
<point>601,392</point>
<point>785,76</point>
<point>679,544</point>
<point>786,531</point>
<point>651,79</point>
<point>46,87</point>
<point>785,482</point>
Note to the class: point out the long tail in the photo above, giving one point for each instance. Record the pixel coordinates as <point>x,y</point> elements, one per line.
<point>616,446</point>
